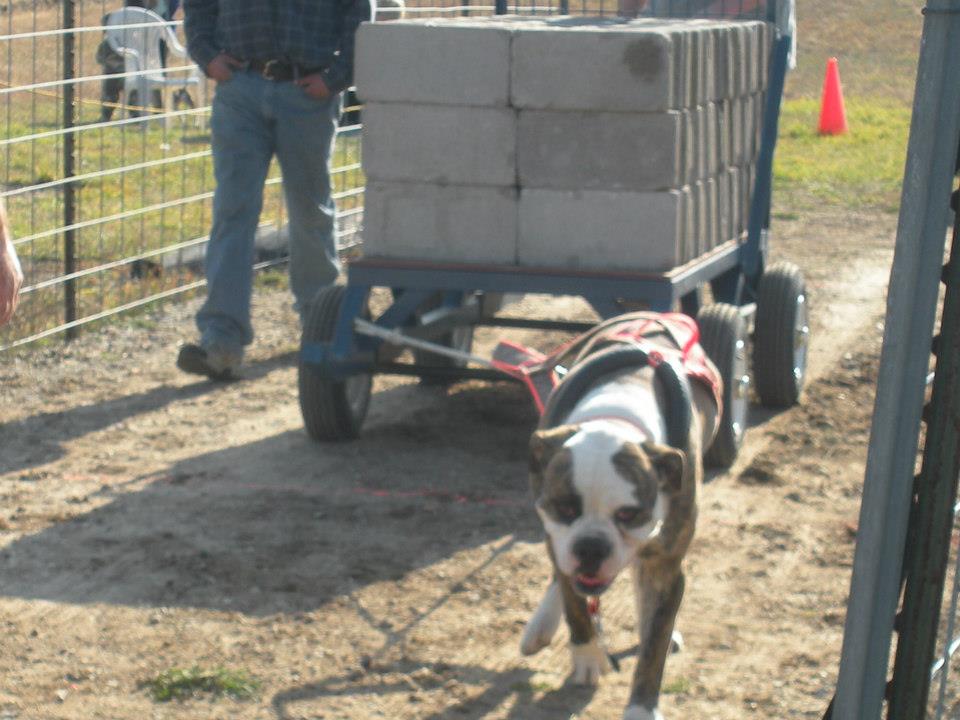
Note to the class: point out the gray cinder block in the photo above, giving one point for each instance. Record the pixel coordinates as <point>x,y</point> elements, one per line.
<point>689,151</point>
<point>736,201</point>
<point>725,141</point>
<point>754,57</point>
<point>688,210</point>
<point>600,151</point>
<point>724,228</point>
<point>601,230</point>
<point>440,144</point>
<point>592,65</point>
<point>741,49</point>
<point>699,196</point>
<point>451,223</point>
<point>713,139</point>
<point>722,72</point>
<point>713,215</point>
<point>759,107</point>
<point>433,62</point>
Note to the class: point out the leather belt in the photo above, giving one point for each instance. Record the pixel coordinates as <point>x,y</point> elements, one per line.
<point>280,70</point>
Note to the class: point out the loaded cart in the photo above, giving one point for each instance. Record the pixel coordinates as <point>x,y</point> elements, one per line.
<point>627,162</point>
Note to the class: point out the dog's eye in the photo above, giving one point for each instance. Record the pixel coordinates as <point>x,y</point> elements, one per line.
<point>626,515</point>
<point>567,510</point>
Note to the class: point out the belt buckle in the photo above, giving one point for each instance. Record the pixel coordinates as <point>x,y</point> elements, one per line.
<point>269,68</point>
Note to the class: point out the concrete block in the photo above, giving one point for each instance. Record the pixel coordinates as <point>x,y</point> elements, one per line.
<point>683,65</point>
<point>736,201</point>
<point>688,219</point>
<point>450,223</point>
<point>708,65</point>
<point>433,61</point>
<point>746,193</point>
<point>593,64</point>
<point>699,193</point>
<point>713,139</point>
<point>725,141</point>
<point>754,57</point>
<point>600,151</point>
<point>440,144</point>
<point>724,228</point>
<point>689,151</point>
<point>601,230</point>
<point>740,38</point>
<point>766,47</point>
<point>698,117</point>
<point>759,107</point>
<point>713,215</point>
<point>723,61</point>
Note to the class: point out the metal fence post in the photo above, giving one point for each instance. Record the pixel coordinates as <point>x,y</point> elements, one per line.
<point>911,308</point>
<point>69,158</point>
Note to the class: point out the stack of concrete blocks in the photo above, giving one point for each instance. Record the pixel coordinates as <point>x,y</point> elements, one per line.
<point>578,143</point>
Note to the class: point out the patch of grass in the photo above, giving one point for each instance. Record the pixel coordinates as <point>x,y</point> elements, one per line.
<point>680,686</point>
<point>532,686</point>
<point>179,684</point>
<point>862,169</point>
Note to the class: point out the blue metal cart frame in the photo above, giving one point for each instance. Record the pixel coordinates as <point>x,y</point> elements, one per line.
<point>454,293</point>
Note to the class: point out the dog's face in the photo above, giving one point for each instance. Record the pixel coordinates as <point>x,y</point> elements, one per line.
<point>601,497</point>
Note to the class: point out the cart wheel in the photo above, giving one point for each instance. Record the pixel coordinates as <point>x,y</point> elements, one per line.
<point>781,335</point>
<point>460,338</point>
<point>723,335</point>
<point>332,409</point>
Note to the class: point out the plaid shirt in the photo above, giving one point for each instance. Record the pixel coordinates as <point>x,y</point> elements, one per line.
<point>311,33</point>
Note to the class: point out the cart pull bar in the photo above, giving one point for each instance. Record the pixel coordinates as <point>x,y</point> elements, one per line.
<point>365,327</point>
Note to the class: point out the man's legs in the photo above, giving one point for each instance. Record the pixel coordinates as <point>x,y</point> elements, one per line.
<point>306,130</point>
<point>242,147</point>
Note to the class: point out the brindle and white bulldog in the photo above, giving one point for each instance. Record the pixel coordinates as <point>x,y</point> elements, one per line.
<point>612,493</point>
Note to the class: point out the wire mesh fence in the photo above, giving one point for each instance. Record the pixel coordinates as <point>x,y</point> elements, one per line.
<point>105,163</point>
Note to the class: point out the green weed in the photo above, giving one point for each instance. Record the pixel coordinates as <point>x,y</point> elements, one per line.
<point>179,683</point>
<point>680,686</point>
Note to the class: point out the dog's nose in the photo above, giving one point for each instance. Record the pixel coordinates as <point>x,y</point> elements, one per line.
<point>591,551</point>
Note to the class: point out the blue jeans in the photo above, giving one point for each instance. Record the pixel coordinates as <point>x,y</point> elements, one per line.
<point>254,119</point>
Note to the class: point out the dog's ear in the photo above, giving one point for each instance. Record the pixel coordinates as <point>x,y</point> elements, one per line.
<point>543,446</point>
<point>669,463</point>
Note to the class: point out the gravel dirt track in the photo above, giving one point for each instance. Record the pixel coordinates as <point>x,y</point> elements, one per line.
<point>151,520</point>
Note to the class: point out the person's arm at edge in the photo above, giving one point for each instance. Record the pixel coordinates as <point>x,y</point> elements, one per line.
<point>11,276</point>
<point>339,76</point>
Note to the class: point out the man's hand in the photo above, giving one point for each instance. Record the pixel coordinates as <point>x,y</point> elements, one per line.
<point>314,86</point>
<point>11,277</point>
<point>222,66</point>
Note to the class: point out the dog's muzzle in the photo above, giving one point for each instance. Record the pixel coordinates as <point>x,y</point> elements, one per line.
<point>591,551</point>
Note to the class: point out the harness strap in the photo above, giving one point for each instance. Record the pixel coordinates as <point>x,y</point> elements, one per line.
<point>590,372</point>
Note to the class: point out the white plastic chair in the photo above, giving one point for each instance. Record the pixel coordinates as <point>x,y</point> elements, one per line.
<point>140,49</point>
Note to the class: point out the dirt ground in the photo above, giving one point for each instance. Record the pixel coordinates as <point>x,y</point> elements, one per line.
<point>150,520</point>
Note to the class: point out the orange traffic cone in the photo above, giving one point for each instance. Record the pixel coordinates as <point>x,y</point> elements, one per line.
<point>833,114</point>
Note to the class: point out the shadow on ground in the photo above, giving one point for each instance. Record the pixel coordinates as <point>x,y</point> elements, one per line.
<point>285,524</point>
<point>52,429</point>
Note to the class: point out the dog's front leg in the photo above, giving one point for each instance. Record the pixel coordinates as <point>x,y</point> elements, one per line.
<point>659,590</point>
<point>590,659</point>
<point>543,625</point>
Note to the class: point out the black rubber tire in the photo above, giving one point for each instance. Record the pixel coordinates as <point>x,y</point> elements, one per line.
<point>780,336</point>
<point>460,338</point>
<point>723,335</point>
<point>331,409</point>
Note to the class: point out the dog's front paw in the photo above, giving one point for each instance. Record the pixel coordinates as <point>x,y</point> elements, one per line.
<point>590,661</point>
<point>543,625</point>
<point>638,712</point>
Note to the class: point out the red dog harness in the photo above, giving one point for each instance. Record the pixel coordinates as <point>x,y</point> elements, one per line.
<point>542,373</point>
